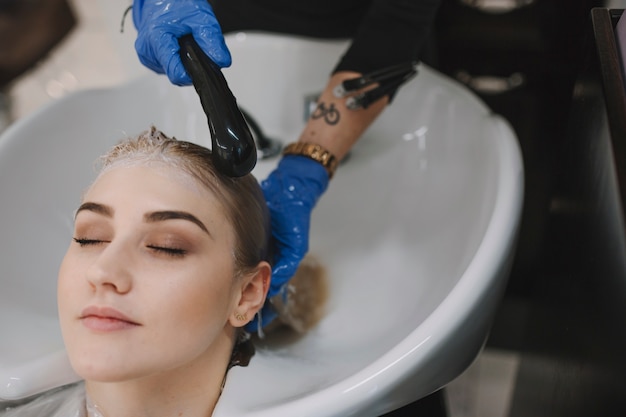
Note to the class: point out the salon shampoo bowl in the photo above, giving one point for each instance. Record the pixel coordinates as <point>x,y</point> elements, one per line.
<point>416,231</point>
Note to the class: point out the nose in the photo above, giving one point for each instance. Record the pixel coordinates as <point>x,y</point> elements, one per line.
<point>111,269</point>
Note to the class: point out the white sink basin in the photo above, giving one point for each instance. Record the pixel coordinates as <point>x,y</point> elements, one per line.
<point>416,231</point>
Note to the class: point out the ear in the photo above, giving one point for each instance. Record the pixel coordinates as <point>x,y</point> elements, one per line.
<point>254,287</point>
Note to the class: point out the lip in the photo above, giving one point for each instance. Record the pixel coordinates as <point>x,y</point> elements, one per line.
<point>106,319</point>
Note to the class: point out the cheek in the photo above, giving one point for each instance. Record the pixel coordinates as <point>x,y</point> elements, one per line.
<point>199,301</point>
<point>66,282</point>
<point>67,299</point>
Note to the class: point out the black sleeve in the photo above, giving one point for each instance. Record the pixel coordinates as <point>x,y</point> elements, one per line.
<point>392,32</point>
<point>383,32</point>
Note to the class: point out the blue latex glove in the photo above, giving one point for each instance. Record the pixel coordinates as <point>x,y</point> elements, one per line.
<point>291,191</point>
<point>160,23</point>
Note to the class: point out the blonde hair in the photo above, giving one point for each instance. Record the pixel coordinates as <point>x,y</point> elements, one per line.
<point>241,197</point>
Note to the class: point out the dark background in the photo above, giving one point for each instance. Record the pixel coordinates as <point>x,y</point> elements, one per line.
<point>551,68</point>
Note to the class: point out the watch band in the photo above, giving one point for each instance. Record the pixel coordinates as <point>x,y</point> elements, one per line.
<point>316,153</point>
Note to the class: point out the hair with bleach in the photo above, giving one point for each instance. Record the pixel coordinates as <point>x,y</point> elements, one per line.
<point>241,197</point>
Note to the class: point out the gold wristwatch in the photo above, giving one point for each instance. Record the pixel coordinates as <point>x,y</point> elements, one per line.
<point>316,153</point>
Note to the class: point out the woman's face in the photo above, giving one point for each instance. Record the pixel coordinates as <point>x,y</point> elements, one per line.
<point>147,284</point>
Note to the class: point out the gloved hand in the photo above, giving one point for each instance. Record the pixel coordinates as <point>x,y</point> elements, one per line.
<point>291,191</point>
<point>159,25</point>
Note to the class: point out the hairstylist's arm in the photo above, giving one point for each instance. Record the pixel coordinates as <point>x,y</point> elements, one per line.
<point>294,187</point>
<point>160,23</point>
<point>338,134</point>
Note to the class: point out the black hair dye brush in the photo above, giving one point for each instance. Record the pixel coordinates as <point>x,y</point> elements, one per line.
<point>233,147</point>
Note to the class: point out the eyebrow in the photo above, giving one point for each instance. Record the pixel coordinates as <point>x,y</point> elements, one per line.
<point>152,217</point>
<point>96,208</point>
<point>159,216</point>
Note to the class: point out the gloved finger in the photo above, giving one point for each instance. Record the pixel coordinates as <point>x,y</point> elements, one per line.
<point>164,61</point>
<point>282,272</point>
<point>291,244</point>
<point>210,39</point>
<point>170,51</point>
<point>137,12</point>
<point>146,55</point>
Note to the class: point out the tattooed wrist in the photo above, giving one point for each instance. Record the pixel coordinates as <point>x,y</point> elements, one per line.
<point>328,112</point>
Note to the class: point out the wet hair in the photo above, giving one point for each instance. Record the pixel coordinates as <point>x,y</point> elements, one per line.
<point>241,198</point>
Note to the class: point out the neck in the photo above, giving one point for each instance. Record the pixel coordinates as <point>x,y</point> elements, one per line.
<point>191,390</point>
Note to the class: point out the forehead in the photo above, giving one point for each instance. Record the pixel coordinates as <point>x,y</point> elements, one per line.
<point>154,186</point>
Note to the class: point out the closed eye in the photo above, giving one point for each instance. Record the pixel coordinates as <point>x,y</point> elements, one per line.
<point>86,242</point>
<point>176,252</point>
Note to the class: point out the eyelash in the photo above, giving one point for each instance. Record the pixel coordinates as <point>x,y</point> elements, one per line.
<point>84,242</point>
<point>174,252</point>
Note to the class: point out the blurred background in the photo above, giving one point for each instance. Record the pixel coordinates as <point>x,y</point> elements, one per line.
<point>557,346</point>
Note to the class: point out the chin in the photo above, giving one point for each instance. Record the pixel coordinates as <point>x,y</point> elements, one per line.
<point>91,372</point>
<point>101,366</point>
